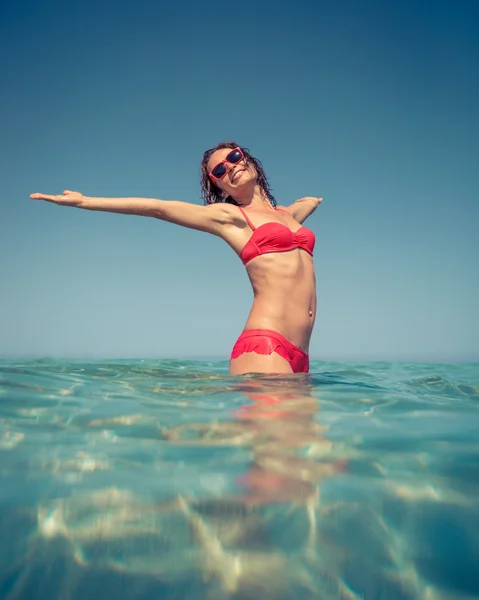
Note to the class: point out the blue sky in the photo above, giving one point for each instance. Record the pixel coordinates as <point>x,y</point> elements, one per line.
<point>372,105</point>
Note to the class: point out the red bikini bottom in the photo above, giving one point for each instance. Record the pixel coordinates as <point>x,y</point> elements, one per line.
<point>265,341</point>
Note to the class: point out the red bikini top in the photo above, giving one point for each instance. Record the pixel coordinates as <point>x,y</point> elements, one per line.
<point>275,237</point>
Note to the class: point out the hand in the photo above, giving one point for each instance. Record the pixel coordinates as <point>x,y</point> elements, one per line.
<point>68,198</point>
<point>316,200</point>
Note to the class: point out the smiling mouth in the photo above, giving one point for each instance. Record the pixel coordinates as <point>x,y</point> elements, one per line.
<point>236,174</point>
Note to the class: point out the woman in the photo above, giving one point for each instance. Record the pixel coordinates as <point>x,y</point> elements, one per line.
<point>277,253</point>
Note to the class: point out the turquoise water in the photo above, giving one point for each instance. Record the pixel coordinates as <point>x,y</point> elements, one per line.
<point>170,479</point>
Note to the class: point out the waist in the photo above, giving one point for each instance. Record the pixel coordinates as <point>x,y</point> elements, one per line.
<point>291,304</point>
<point>295,328</point>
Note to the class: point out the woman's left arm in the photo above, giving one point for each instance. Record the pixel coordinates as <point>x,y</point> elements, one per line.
<point>302,208</point>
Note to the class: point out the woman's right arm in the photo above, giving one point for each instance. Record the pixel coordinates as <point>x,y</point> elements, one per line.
<point>209,218</point>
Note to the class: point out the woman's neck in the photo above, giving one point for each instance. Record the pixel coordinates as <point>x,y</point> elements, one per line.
<point>255,199</point>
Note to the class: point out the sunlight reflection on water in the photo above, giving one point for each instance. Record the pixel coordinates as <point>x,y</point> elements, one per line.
<point>172,479</point>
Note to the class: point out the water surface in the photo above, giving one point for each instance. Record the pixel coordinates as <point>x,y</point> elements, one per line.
<point>170,479</point>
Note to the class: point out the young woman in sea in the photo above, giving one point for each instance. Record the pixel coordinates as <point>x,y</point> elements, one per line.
<point>269,239</point>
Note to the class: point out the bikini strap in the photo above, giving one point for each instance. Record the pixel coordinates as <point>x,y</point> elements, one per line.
<point>283,209</point>
<point>247,220</point>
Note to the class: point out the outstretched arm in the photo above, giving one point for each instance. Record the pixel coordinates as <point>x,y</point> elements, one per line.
<point>302,208</point>
<point>205,218</point>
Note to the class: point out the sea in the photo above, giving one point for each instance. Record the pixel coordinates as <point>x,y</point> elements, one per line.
<point>170,479</point>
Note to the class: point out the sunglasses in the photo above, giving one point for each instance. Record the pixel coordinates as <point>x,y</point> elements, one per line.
<point>220,170</point>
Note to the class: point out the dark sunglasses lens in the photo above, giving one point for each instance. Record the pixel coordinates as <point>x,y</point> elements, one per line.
<point>219,171</point>
<point>234,157</point>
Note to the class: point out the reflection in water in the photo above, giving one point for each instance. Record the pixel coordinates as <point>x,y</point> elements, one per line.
<point>289,447</point>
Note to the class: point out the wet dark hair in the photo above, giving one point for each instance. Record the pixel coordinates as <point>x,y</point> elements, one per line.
<point>212,194</point>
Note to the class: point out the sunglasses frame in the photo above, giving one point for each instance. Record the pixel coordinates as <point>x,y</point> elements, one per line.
<point>224,161</point>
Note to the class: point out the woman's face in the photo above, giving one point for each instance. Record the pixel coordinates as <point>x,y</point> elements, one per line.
<point>238,176</point>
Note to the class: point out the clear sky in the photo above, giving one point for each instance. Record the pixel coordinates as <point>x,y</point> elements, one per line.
<point>372,105</point>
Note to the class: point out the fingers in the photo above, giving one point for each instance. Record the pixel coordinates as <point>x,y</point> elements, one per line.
<point>67,195</point>
<point>38,196</point>
<point>48,198</point>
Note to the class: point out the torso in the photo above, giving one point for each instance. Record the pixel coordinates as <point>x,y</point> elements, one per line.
<point>283,280</point>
